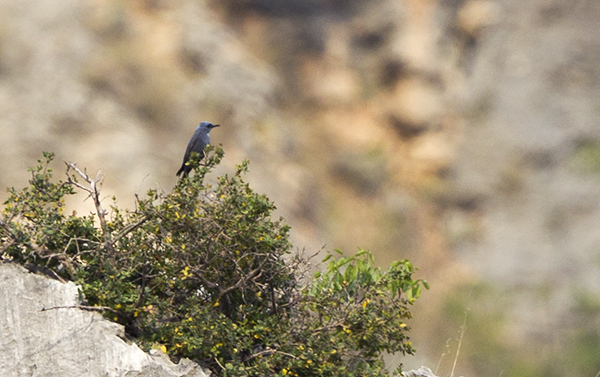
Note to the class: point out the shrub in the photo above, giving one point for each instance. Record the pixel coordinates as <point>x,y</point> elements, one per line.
<point>204,272</point>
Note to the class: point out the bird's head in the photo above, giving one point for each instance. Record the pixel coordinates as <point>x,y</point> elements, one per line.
<point>207,126</point>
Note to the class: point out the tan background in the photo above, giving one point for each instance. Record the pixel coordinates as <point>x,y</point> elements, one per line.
<point>462,135</point>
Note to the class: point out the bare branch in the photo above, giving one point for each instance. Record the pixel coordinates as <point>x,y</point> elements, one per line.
<point>82,307</point>
<point>128,229</point>
<point>270,351</point>
<point>251,275</point>
<point>94,193</point>
<point>210,284</point>
<point>8,230</point>
<point>217,360</point>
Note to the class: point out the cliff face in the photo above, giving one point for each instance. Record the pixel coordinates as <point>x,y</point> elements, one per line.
<point>525,184</point>
<point>41,336</point>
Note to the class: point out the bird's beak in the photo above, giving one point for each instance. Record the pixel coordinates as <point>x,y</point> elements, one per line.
<point>216,125</point>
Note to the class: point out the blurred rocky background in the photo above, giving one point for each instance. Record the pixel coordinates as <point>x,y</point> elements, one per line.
<point>461,134</point>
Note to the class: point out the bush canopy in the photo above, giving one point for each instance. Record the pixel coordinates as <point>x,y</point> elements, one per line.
<point>204,272</point>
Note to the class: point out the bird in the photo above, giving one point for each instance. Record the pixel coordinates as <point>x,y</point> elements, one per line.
<point>200,139</point>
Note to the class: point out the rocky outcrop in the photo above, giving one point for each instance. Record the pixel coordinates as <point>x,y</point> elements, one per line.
<point>42,333</point>
<point>421,372</point>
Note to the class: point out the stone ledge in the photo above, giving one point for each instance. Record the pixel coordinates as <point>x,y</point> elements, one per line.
<point>67,342</point>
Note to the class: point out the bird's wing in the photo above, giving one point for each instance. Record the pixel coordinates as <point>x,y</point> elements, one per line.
<point>196,144</point>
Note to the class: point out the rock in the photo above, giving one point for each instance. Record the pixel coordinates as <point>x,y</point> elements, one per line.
<point>67,342</point>
<point>421,372</point>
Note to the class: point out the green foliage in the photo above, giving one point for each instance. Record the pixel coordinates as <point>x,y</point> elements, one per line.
<point>356,306</point>
<point>204,272</point>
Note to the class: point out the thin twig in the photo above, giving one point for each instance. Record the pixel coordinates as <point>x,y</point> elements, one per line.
<point>8,230</point>
<point>250,276</point>
<point>34,268</point>
<point>94,193</point>
<point>269,352</point>
<point>462,333</point>
<point>217,360</point>
<point>441,357</point>
<point>128,229</point>
<point>82,307</point>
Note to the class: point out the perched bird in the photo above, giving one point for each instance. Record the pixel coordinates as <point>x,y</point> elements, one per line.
<point>200,139</point>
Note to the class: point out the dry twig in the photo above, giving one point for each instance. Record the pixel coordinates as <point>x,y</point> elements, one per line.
<point>82,307</point>
<point>462,333</point>
<point>93,191</point>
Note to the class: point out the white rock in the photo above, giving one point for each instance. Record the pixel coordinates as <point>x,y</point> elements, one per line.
<point>67,342</point>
